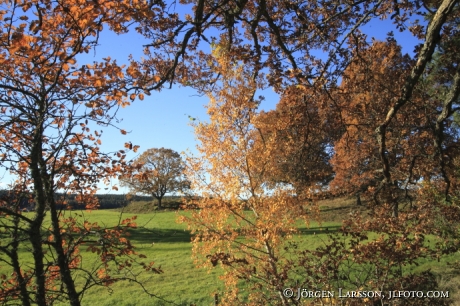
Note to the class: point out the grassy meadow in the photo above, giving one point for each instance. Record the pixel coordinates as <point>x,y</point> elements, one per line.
<point>167,243</point>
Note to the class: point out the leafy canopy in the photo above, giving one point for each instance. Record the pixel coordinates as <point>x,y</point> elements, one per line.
<point>158,172</point>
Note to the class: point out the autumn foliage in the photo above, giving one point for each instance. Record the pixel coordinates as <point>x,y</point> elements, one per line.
<point>243,219</point>
<point>356,116</point>
<point>156,172</point>
<point>363,134</point>
<point>51,111</point>
<point>361,100</point>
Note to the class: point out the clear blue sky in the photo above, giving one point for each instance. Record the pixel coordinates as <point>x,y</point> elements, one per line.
<point>162,119</point>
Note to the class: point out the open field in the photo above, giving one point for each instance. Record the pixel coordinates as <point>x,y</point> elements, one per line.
<point>167,243</point>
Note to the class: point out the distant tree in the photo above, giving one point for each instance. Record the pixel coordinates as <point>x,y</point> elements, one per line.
<point>159,171</point>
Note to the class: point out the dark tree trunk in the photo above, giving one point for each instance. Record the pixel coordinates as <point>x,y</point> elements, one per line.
<point>35,235</point>
<point>44,197</point>
<point>159,202</point>
<point>25,298</point>
<point>62,259</point>
<point>37,253</point>
<point>395,209</point>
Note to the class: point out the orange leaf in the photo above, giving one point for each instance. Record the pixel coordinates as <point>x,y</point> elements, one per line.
<point>123,132</point>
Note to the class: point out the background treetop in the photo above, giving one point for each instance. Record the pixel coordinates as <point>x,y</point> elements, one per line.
<point>157,171</point>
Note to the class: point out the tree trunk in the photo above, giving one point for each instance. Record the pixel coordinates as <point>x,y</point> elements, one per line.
<point>159,202</point>
<point>62,258</point>
<point>431,41</point>
<point>395,210</point>
<point>44,196</point>
<point>25,298</point>
<point>35,235</point>
<point>37,253</point>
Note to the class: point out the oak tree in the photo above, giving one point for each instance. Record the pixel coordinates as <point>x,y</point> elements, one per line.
<point>303,135</point>
<point>158,172</point>
<point>361,100</point>
<point>52,109</point>
<point>244,219</point>
<point>390,138</point>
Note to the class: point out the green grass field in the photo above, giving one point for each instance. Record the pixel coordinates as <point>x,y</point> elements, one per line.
<point>167,243</point>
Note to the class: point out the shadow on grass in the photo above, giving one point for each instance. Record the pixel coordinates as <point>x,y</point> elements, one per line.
<point>326,209</point>
<point>320,230</point>
<point>149,236</point>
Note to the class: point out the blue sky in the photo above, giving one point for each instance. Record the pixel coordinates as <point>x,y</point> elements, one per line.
<point>162,119</point>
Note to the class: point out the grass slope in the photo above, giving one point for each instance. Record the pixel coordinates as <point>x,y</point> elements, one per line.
<point>167,243</point>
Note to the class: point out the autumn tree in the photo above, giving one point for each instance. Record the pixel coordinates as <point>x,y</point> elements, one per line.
<point>159,171</point>
<point>362,100</point>
<point>244,218</point>
<point>51,111</point>
<point>303,134</point>
<point>390,138</point>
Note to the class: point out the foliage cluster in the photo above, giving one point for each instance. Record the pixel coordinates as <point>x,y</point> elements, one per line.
<point>51,112</point>
<point>156,173</point>
<point>359,117</point>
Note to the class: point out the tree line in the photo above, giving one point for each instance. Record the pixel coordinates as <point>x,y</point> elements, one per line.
<point>105,201</point>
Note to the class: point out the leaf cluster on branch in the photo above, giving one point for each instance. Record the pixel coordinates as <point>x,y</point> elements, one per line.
<point>359,117</point>
<point>52,110</point>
